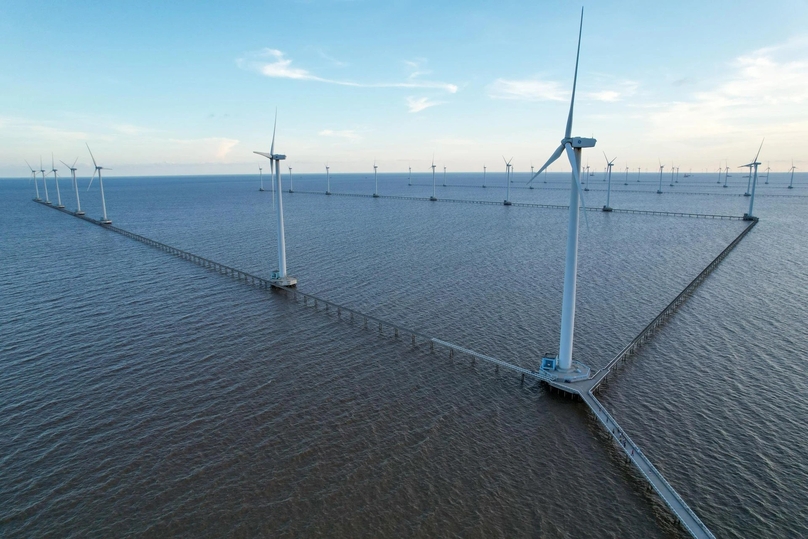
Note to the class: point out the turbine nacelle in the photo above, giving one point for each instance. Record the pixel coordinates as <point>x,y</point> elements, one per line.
<point>580,142</point>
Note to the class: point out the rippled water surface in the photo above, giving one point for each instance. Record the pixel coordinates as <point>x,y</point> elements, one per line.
<point>143,395</point>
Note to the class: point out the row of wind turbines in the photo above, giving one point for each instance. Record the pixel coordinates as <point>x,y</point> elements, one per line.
<point>104,219</point>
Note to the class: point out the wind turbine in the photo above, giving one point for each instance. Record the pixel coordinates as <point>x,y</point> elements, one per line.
<point>531,173</point>
<point>609,165</point>
<point>261,176</point>
<point>444,175</point>
<point>409,176</point>
<point>327,179</point>
<point>639,173</point>
<point>375,179</point>
<point>278,277</point>
<point>75,185</point>
<point>661,166</point>
<point>793,168</point>
<point>56,179</point>
<point>36,185</point>
<point>572,146</point>
<point>483,176</point>
<point>749,178</point>
<point>433,198</point>
<point>507,181</point>
<point>768,169</point>
<point>98,169</point>
<point>753,165</point>
<point>626,176</point>
<point>673,170</point>
<point>45,183</point>
<point>291,188</point>
<point>719,172</point>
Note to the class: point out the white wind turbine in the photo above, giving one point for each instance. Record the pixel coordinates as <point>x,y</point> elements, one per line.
<point>661,166</point>
<point>626,176</point>
<point>673,171</point>
<point>719,172</point>
<point>768,169</point>
<point>75,185</point>
<point>433,198</point>
<point>573,146</point>
<point>409,176</point>
<point>507,201</point>
<point>726,175</point>
<point>36,185</point>
<point>747,193</point>
<point>291,185</point>
<point>45,183</point>
<point>278,277</point>
<point>327,179</point>
<point>98,169</point>
<point>609,165</point>
<point>483,176</point>
<point>261,177</point>
<point>790,183</point>
<point>444,175</point>
<point>375,179</point>
<point>753,165</point>
<point>56,179</point>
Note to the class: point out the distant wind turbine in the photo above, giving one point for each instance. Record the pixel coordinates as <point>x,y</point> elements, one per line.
<point>609,165</point>
<point>791,182</point>
<point>36,185</point>
<point>56,179</point>
<point>433,198</point>
<point>753,165</point>
<point>483,176</point>
<point>409,176</point>
<point>661,166</point>
<point>572,146</point>
<point>44,182</point>
<point>75,185</point>
<point>507,181</point>
<point>98,169</point>
<point>278,277</point>
<point>261,178</point>
<point>768,169</point>
<point>444,175</point>
<point>626,176</point>
<point>327,179</point>
<point>291,188</point>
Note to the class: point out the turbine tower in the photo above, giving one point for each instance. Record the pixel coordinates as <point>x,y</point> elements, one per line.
<point>56,179</point>
<point>444,175</point>
<point>327,179</point>
<point>45,183</point>
<point>75,185</point>
<point>433,198</point>
<point>753,165</point>
<point>790,183</point>
<point>507,181</point>
<point>749,178</point>
<point>375,179</point>
<point>278,277</point>
<point>626,176</point>
<point>98,169</point>
<point>484,176</point>
<point>409,176</point>
<point>291,185</point>
<point>573,146</point>
<point>261,177</point>
<point>609,165</point>
<point>36,185</point>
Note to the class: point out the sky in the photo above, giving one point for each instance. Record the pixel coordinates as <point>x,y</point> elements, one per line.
<point>172,88</point>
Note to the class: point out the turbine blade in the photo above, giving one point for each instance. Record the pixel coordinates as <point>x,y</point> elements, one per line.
<point>74,163</point>
<point>65,164</point>
<point>272,147</point>
<point>267,155</point>
<point>758,154</point>
<point>607,159</point>
<point>574,164</point>
<point>91,155</point>
<point>91,179</point>
<point>556,155</point>
<point>568,132</point>
<point>32,169</point>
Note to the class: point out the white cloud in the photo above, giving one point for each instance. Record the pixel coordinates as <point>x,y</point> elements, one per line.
<point>273,63</point>
<point>417,104</point>
<point>528,90</point>
<point>766,94</point>
<point>348,134</point>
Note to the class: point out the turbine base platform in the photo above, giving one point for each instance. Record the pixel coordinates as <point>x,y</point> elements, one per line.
<point>531,187</point>
<point>506,203</point>
<point>262,189</point>
<point>291,191</point>
<point>791,187</point>
<point>725,187</point>
<point>747,217</point>
<point>37,200</point>
<point>606,208</point>
<point>747,195</point>
<point>105,222</point>
<point>375,195</point>
<point>659,191</point>
<point>48,202</point>
<point>283,281</point>
<point>60,206</point>
<point>328,192</point>
<point>78,213</point>
<point>433,199</point>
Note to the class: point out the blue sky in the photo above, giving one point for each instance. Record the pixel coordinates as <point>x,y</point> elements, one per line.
<point>191,87</point>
